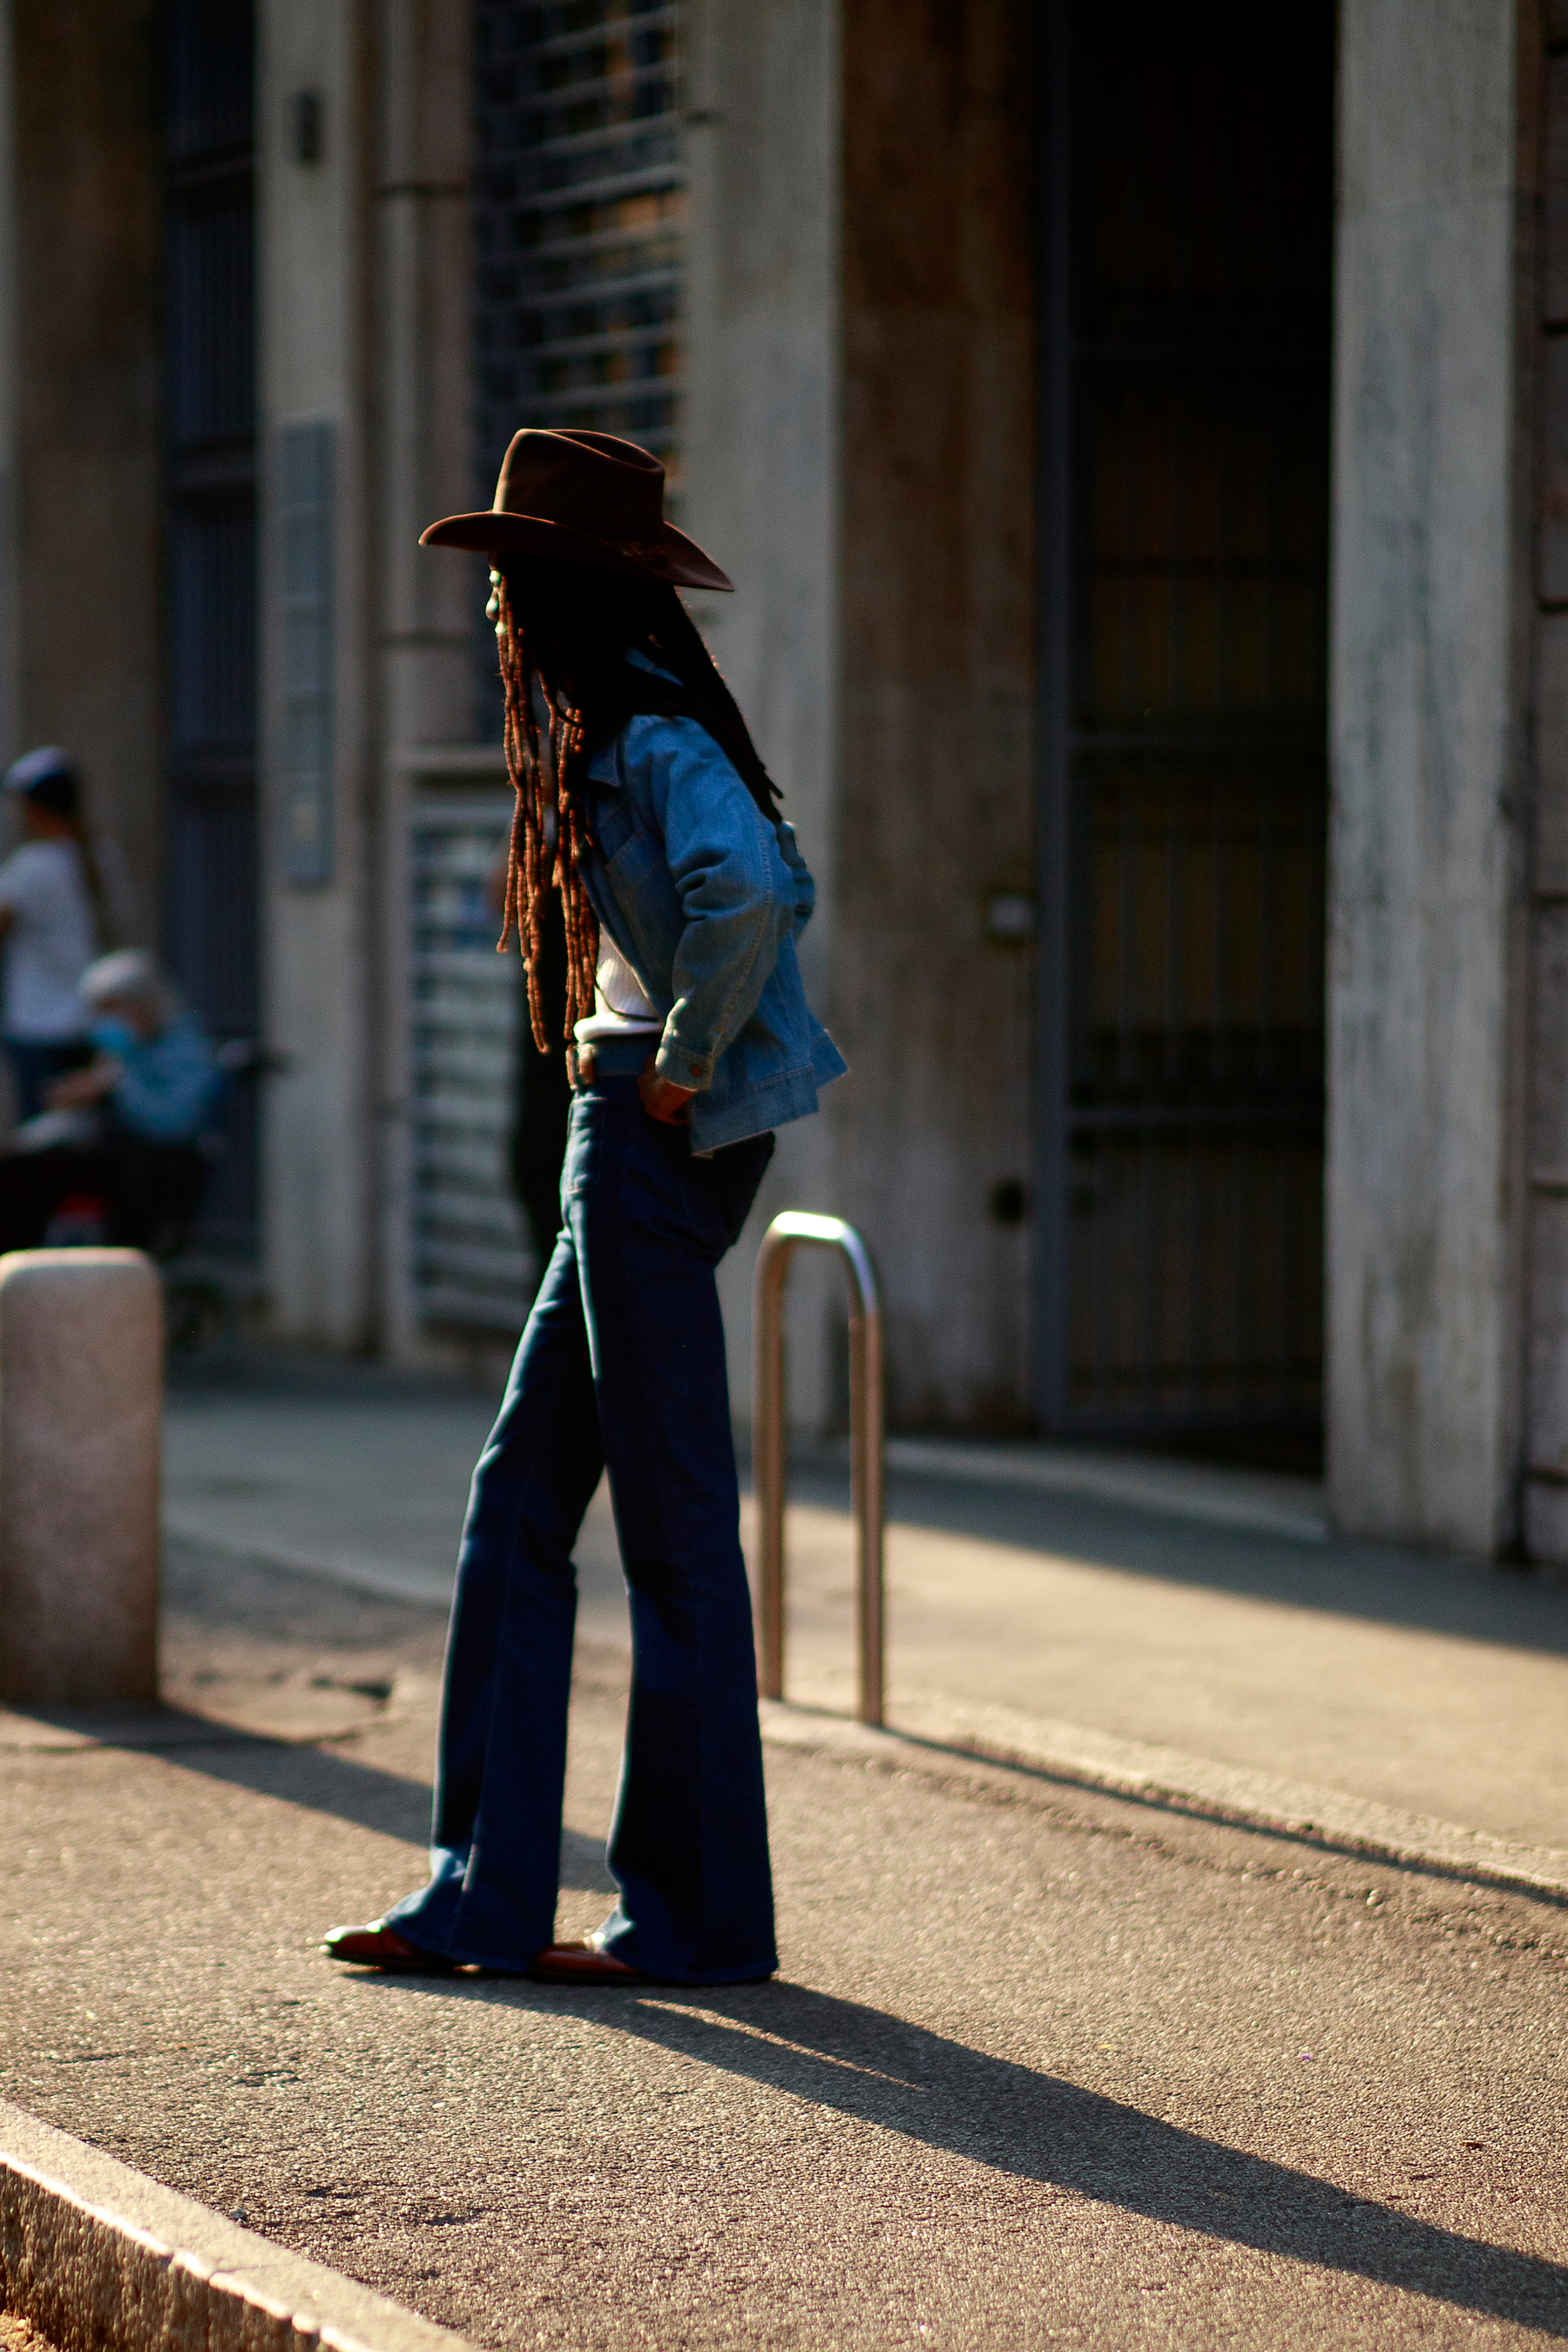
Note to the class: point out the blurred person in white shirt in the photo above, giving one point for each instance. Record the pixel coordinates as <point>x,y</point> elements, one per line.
<point>51,923</point>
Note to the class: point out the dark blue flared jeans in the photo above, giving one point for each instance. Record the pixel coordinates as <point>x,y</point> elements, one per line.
<point>621,1367</point>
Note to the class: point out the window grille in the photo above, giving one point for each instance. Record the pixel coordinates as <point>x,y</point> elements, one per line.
<point>471,1264</point>
<point>580,213</point>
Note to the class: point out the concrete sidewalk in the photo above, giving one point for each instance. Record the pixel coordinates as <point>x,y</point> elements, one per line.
<point>1030,1609</point>
<point>1041,2068</point>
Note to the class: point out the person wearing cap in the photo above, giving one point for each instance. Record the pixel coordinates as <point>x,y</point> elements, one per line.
<point>49,921</point>
<point>644,808</point>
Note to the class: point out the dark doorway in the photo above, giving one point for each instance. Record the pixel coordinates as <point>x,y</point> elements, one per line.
<point>211,553</point>
<point>1187,245</point>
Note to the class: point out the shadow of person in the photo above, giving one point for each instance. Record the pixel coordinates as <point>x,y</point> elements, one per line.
<point>394,1805</point>
<point>862,2062</point>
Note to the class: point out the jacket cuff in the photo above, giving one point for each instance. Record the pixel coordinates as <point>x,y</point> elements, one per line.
<point>682,1065</point>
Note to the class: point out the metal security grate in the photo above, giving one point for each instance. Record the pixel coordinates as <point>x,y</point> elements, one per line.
<point>1186,510</point>
<point>578,213</point>
<point>211,681</point>
<point>579,216</point>
<point>472,1265</point>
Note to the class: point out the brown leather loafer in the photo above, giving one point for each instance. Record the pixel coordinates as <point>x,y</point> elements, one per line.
<point>378,1945</point>
<point>582,1964</point>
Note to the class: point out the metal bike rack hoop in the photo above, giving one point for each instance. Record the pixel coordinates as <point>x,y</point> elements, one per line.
<point>783,1237</point>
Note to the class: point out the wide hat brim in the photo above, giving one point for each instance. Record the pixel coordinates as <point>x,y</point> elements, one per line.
<point>668,556</point>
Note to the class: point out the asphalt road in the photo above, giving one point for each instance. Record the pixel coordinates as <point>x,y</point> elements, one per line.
<point>1041,2067</point>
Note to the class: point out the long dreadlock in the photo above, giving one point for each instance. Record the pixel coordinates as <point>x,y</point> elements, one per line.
<point>564,634</point>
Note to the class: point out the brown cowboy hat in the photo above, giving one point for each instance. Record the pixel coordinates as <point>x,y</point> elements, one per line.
<point>582,497</point>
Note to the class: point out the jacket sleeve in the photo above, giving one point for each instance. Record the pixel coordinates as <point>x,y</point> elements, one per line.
<point>740,900</point>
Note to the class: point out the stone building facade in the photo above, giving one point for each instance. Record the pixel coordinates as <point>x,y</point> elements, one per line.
<point>1133,433</point>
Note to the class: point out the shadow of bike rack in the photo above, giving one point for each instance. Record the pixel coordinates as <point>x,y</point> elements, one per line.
<point>788,1233</point>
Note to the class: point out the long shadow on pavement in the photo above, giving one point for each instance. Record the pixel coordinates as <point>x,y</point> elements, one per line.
<point>394,1805</point>
<point>397,1805</point>
<point>865,2063</point>
<point>391,1802</point>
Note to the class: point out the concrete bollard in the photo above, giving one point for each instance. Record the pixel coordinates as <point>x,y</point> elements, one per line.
<point>81,1380</point>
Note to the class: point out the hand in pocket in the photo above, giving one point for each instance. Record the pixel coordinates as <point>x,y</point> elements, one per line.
<point>662,1098</point>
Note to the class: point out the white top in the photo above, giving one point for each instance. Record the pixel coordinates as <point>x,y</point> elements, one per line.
<point>51,941</point>
<point>622,1006</point>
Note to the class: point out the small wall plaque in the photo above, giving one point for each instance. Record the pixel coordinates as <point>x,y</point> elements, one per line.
<point>305,520</point>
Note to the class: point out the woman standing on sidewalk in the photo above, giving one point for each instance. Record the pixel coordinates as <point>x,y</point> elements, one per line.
<point>645,807</point>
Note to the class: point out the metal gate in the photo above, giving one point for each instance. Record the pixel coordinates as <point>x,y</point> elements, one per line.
<point>472,1263</point>
<point>578,215</point>
<point>211,555</point>
<point>1186,282</point>
<point>579,234</point>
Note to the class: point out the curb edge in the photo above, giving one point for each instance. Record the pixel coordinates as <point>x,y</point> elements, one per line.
<point>932,1738</point>
<point>97,2254</point>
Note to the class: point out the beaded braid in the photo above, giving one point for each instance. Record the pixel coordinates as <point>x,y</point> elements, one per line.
<point>568,632</point>
<point>545,856</point>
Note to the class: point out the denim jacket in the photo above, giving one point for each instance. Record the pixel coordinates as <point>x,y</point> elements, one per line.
<point>705,900</point>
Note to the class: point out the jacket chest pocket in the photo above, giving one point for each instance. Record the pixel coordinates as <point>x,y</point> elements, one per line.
<point>624,849</point>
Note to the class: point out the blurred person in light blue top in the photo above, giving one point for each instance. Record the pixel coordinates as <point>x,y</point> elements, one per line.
<point>154,1068</point>
<point>117,1154</point>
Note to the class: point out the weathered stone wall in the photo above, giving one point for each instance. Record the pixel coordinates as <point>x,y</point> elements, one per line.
<point>762,455</point>
<point>860,457</point>
<point>419,416</point>
<point>85,537</point>
<point>1546,1430</point>
<point>1430,659</point>
<point>937,682</point>
<point>364,325</point>
<point>319,1132</point>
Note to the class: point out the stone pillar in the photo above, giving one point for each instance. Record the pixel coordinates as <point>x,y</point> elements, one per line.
<point>935,1014</point>
<point>428,605</point>
<point>85,279</point>
<point>761,453</point>
<point>82,1378</point>
<point>1430,701</point>
<point>318,1135</point>
<point>1546,1415</point>
<point>859,452</point>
